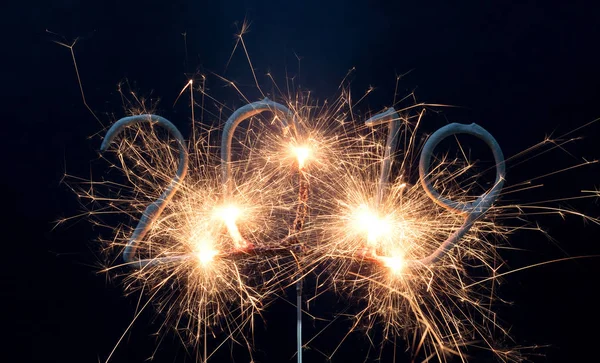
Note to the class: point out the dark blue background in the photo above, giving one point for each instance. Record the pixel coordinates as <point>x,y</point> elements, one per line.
<point>521,70</point>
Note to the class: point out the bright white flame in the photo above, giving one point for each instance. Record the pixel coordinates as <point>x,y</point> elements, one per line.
<point>229,215</point>
<point>203,245</point>
<point>302,154</point>
<point>367,221</point>
<point>205,253</point>
<point>395,263</point>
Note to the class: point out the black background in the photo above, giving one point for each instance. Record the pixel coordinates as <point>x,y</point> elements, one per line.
<point>523,71</point>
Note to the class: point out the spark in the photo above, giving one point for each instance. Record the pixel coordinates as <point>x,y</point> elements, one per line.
<point>230,214</point>
<point>203,248</point>
<point>396,264</point>
<point>367,221</point>
<point>303,154</point>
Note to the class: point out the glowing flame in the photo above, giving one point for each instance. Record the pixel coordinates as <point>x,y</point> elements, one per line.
<point>205,253</point>
<point>302,154</point>
<point>370,223</point>
<point>395,263</point>
<point>229,214</point>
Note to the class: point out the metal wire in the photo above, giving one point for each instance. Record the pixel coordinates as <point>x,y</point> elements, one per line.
<point>153,211</point>
<point>472,210</point>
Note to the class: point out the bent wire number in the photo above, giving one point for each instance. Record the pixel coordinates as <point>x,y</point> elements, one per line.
<point>153,211</point>
<point>471,210</point>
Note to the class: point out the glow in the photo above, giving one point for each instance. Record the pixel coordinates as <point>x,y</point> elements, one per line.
<point>229,214</point>
<point>395,264</point>
<point>203,245</point>
<point>205,253</point>
<point>302,154</point>
<point>368,222</point>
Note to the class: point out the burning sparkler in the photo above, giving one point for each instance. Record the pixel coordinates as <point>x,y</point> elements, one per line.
<point>387,232</point>
<point>217,238</point>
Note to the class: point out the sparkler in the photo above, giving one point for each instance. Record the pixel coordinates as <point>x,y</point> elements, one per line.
<point>203,238</point>
<point>203,241</point>
<point>235,119</point>
<point>312,197</point>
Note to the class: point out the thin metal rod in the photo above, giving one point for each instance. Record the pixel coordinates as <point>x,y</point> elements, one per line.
<point>205,340</point>
<point>299,320</point>
<point>154,210</point>
<point>301,215</point>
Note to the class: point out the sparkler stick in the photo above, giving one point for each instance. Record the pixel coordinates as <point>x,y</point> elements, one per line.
<point>154,210</point>
<point>301,213</point>
<point>391,118</point>
<point>471,210</point>
<point>299,320</point>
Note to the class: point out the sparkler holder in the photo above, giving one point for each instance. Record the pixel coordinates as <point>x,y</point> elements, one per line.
<point>471,210</point>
